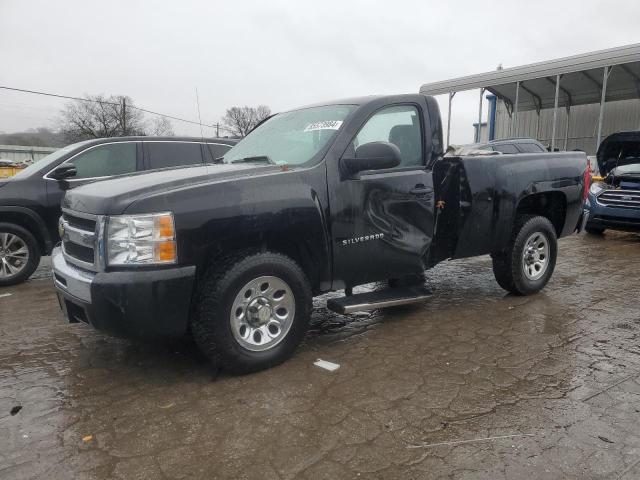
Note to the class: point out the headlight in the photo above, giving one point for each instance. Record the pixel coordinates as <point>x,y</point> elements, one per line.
<point>597,187</point>
<point>141,239</point>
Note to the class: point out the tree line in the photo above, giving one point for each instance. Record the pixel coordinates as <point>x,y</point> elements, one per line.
<point>99,116</point>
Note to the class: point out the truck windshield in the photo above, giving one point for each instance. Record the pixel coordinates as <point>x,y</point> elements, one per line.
<point>291,138</point>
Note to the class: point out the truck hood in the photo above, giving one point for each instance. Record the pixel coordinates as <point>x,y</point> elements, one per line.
<point>113,196</point>
<point>617,150</point>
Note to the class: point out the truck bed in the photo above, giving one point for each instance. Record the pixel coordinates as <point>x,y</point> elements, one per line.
<point>483,194</point>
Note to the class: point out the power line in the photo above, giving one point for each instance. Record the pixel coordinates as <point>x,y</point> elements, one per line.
<point>105,102</point>
<point>58,96</point>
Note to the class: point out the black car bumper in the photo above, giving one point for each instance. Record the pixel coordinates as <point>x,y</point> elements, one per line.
<point>134,304</point>
<point>614,223</point>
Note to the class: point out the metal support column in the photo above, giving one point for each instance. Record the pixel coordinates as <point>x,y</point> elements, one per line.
<point>514,117</point>
<point>566,130</point>
<point>479,129</point>
<point>605,77</point>
<point>555,114</point>
<point>451,95</point>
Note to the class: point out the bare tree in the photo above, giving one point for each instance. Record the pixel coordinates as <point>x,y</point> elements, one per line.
<point>99,117</point>
<point>162,127</point>
<point>239,121</point>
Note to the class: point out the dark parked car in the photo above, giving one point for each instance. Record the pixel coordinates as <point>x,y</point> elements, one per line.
<point>512,145</point>
<point>316,199</point>
<point>614,200</point>
<point>30,201</point>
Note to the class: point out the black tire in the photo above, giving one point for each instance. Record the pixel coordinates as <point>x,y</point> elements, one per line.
<point>508,266</point>
<point>26,269</point>
<point>594,230</point>
<point>211,323</point>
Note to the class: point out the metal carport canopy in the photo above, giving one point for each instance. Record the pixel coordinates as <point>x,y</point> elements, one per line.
<point>581,80</point>
<point>564,82</point>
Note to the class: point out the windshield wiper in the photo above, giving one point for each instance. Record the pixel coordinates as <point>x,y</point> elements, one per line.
<point>257,158</point>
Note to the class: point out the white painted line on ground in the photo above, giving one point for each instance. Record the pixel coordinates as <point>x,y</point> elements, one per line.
<point>326,365</point>
<point>2,295</point>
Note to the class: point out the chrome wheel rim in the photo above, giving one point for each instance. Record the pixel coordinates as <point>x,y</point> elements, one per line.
<point>14,255</point>
<point>262,313</point>
<point>535,257</point>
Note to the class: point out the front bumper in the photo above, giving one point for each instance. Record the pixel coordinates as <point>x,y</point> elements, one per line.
<point>608,217</point>
<point>134,304</point>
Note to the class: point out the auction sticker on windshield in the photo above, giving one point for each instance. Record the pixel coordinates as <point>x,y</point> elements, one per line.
<point>326,125</point>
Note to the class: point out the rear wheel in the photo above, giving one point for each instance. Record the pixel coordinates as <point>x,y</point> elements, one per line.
<point>251,313</point>
<point>527,264</point>
<point>19,254</point>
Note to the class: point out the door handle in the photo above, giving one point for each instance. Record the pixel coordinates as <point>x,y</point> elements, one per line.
<point>421,190</point>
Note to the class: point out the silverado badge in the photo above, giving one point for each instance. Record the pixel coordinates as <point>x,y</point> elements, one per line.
<point>364,238</point>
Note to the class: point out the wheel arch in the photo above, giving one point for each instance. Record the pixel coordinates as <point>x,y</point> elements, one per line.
<point>31,221</point>
<point>306,252</point>
<point>551,205</point>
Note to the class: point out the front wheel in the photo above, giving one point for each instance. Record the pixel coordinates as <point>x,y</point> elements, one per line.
<point>250,312</point>
<point>528,262</point>
<point>19,254</point>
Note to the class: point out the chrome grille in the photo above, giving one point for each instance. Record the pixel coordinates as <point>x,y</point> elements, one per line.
<point>80,239</point>
<point>620,198</point>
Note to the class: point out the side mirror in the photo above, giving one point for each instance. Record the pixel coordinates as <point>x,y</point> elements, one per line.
<point>63,172</point>
<point>373,156</point>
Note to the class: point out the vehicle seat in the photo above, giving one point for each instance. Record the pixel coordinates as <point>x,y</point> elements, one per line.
<point>408,139</point>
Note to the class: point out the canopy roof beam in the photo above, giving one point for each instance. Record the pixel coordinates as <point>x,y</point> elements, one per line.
<point>563,89</point>
<point>451,95</point>
<point>536,98</point>
<point>507,102</point>
<point>606,71</point>
<point>479,130</point>
<point>592,80</point>
<point>514,118</point>
<point>555,113</point>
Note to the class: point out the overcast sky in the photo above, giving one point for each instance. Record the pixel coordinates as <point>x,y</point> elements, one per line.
<point>281,53</point>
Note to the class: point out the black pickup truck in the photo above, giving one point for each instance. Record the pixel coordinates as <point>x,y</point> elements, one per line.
<point>315,199</point>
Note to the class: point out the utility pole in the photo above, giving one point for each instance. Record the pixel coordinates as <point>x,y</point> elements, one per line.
<point>124,115</point>
<point>217,130</point>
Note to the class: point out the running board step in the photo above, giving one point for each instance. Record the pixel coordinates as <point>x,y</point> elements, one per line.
<point>391,297</point>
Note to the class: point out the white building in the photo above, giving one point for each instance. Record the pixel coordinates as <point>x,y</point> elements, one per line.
<point>22,153</point>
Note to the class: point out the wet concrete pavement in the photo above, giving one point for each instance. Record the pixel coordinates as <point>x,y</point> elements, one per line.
<point>470,384</point>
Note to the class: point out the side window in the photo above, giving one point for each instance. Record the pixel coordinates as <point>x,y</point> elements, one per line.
<point>506,148</point>
<point>399,125</point>
<point>106,160</point>
<point>530,148</point>
<point>215,150</point>
<point>173,154</point>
